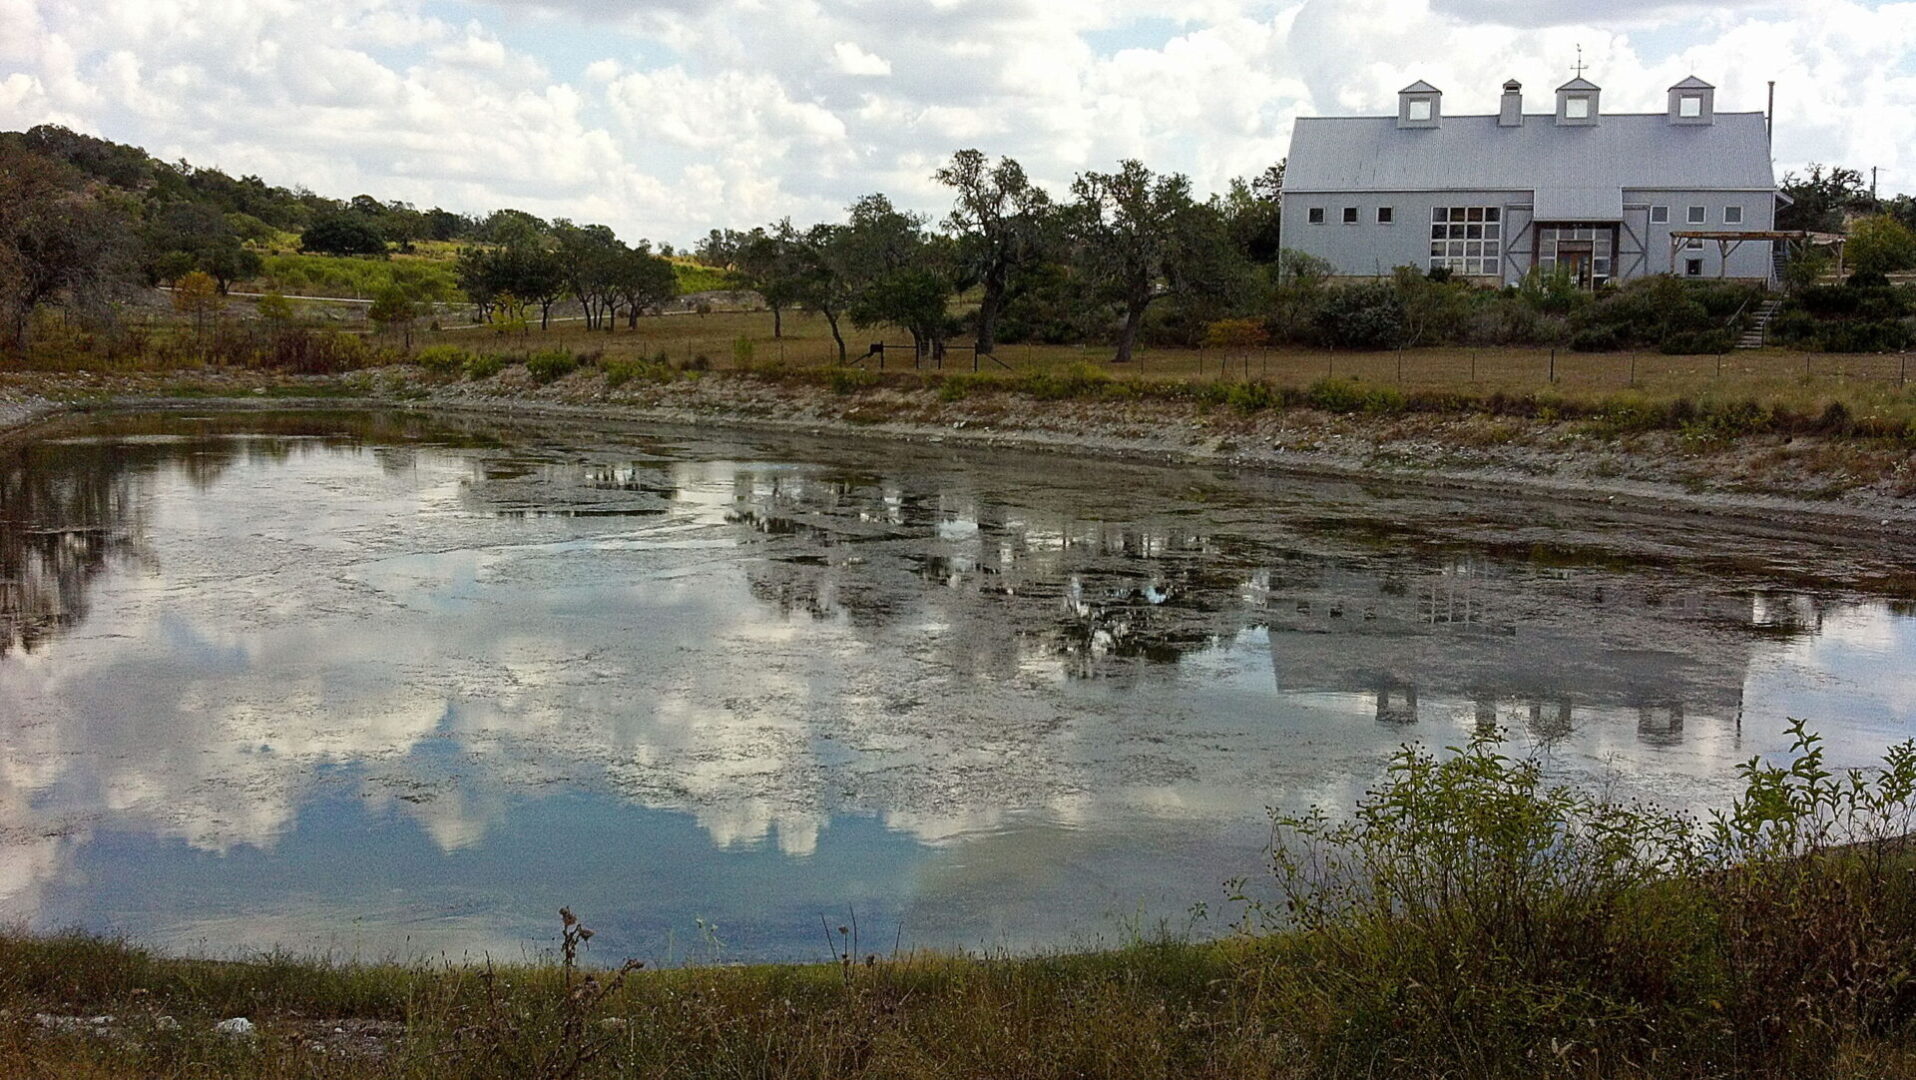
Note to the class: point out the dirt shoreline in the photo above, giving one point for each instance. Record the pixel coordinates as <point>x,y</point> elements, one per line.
<point>1860,488</point>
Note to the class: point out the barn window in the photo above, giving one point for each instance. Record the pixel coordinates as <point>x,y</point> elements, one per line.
<point>1659,215</point>
<point>1317,215</point>
<point>1467,240</point>
<point>1350,215</point>
<point>1690,105</point>
<point>1386,215</point>
<point>1693,267</point>
<point>1732,215</point>
<point>1697,215</point>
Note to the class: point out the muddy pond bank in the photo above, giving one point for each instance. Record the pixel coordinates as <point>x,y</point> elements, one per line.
<point>1847,483</point>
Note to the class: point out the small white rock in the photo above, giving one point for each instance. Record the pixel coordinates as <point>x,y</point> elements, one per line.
<point>238,1026</point>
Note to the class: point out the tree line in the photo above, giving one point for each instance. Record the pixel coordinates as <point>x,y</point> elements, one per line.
<point>1129,257</point>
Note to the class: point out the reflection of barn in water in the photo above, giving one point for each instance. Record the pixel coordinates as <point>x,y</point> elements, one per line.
<point>1515,645</point>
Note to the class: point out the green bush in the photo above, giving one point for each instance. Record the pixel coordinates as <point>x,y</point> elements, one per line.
<point>850,380</point>
<point>1697,342</point>
<point>1078,380</point>
<point>1365,316</point>
<point>1349,395</point>
<point>1471,919</point>
<point>484,365</point>
<point>1861,336</point>
<point>550,365</point>
<point>443,359</point>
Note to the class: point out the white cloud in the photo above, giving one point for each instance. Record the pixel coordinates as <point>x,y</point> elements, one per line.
<point>682,116</point>
<point>853,60</point>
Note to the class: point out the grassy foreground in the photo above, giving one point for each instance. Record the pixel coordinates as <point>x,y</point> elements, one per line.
<point>1469,920</point>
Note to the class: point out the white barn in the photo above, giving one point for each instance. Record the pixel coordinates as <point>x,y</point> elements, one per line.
<point>1489,197</point>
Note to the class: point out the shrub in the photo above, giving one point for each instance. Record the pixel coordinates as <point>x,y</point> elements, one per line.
<point>1349,395</point>
<point>443,359</point>
<point>484,365</point>
<point>1366,316</point>
<point>1078,380</point>
<point>550,365</point>
<point>1697,342</point>
<point>1471,919</point>
<point>1859,336</point>
<point>1597,339</point>
<point>850,380</point>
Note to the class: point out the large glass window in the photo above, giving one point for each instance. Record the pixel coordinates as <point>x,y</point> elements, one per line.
<point>1467,240</point>
<point>1588,246</point>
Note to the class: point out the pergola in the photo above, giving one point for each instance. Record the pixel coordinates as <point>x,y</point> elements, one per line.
<point>1727,242</point>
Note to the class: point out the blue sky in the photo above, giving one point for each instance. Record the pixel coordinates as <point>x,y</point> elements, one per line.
<point>664,118</point>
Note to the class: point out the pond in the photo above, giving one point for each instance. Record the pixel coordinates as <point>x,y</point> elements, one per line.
<point>394,685</point>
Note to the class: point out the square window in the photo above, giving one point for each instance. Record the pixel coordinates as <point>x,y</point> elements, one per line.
<point>1493,231</point>
<point>1473,232</point>
<point>1490,213</point>
<point>1437,250</point>
<point>1697,216</point>
<point>1420,109</point>
<point>1456,249</point>
<point>1732,215</point>
<point>1316,215</point>
<point>1577,108</point>
<point>1440,213</point>
<point>1350,215</point>
<point>1476,214</point>
<point>1659,215</point>
<point>1690,105</point>
<point>1438,232</point>
<point>1386,215</point>
<point>1693,267</point>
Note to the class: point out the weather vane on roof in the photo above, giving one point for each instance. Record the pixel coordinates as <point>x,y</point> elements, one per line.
<point>1580,64</point>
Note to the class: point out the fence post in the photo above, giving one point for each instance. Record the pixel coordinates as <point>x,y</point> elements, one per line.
<point>1633,369</point>
<point>1902,376</point>
<point>1553,365</point>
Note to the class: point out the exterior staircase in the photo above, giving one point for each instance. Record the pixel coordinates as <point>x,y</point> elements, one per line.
<point>1757,333</point>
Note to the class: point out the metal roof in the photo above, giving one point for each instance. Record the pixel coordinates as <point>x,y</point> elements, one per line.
<point>1693,83</point>
<point>1580,203</point>
<point>1420,87</point>
<point>1472,153</point>
<point>1579,83</point>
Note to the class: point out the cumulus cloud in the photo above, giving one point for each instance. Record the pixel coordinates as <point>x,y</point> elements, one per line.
<point>666,118</point>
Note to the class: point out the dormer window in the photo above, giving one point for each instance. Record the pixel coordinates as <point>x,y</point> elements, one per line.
<point>1419,105</point>
<point>1577,108</point>
<point>1692,102</point>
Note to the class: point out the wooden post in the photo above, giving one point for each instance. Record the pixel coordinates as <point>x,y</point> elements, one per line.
<point>1633,368</point>
<point>1553,365</point>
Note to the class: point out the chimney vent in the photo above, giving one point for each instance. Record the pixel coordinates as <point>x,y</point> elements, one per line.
<point>1511,113</point>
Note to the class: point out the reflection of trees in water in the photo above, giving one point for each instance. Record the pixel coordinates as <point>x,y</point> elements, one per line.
<point>69,509</point>
<point>65,513</point>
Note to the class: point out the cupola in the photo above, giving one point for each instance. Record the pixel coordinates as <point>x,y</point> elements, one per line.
<point>1510,113</point>
<point>1693,101</point>
<point>1419,105</point>
<point>1577,103</point>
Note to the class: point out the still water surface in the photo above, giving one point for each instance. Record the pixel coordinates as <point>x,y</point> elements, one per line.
<point>379,684</point>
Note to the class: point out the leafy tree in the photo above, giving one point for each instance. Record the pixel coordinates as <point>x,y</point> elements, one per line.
<point>512,228</point>
<point>393,309</point>
<point>1368,315</point>
<point>1252,212</point>
<point>276,310</point>
<point>1821,198</point>
<point>825,281</point>
<point>589,256</point>
<point>891,273</point>
<point>772,264</point>
<point>1880,244</point>
<point>197,295</point>
<point>342,234</point>
<point>1139,236</point>
<point>642,281</point>
<point>58,239</point>
<point>1000,219</point>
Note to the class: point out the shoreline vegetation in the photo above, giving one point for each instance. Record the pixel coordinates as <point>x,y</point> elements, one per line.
<point>1466,919</point>
<point>1826,450</point>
